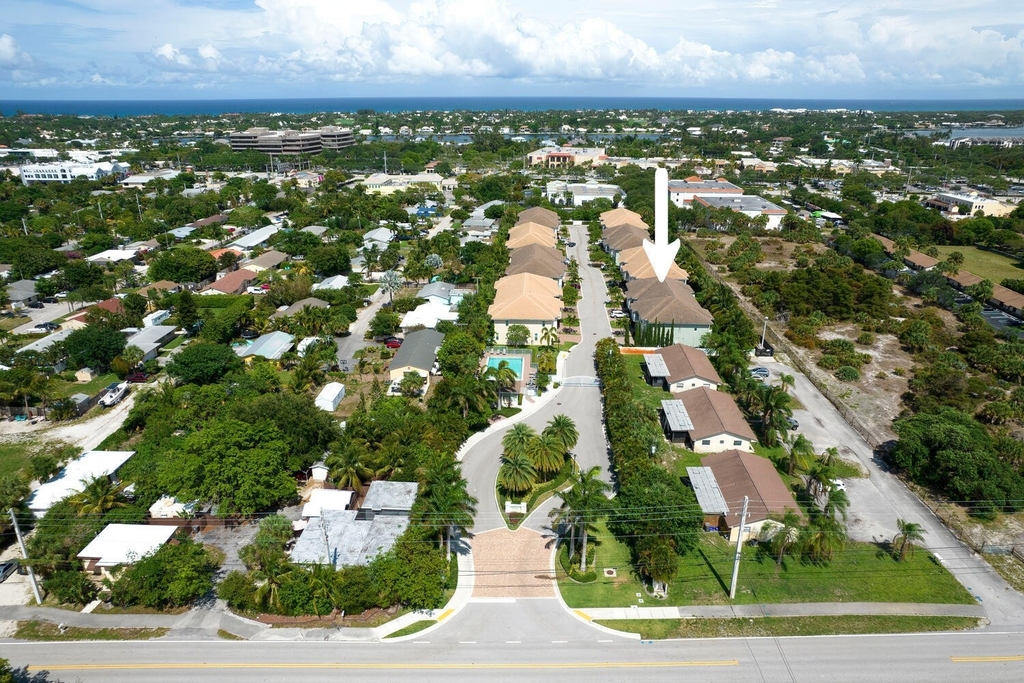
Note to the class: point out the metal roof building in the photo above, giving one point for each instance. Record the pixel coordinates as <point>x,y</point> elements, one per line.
<point>708,493</point>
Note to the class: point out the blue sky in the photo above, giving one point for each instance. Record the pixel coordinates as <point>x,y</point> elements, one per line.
<point>168,49</point>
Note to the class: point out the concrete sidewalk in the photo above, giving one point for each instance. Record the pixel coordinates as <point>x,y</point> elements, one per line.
<point>799,609</point>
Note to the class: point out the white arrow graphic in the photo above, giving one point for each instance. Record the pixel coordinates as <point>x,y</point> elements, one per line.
<point>661,254</point>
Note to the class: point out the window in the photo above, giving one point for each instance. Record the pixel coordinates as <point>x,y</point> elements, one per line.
<point>737,442</point>
<point>706,442</point>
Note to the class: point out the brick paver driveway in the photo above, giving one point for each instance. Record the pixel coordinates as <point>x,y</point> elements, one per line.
<point>510,564</point>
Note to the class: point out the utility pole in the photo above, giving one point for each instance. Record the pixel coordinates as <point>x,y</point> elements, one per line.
<point>739,548</point>
<point>24,554</point>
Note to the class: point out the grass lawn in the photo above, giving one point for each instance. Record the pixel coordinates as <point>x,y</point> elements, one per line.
<point>1010,568</point>
<point>15,455</point>
<point>44,630</point>
<point>861,573</point>
<point>642,391</point>
<point>415,627</point>
<point>985,264</point>
<point>661,629</point>
<point>90,388</point>
<point>174,343</point>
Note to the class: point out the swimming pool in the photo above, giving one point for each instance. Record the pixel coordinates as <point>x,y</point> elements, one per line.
<point>514,362</point>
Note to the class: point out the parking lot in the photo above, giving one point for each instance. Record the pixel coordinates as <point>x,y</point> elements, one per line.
<point>47,313</point>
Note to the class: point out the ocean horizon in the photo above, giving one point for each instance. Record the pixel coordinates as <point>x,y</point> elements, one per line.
<point>409,104</point>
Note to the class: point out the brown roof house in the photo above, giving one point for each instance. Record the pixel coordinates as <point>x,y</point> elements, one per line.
<point>525,234</point>
<point>680,367</point>
<point>536,214</point>
<point>717,423</point>
<point>670,303</point>
<point>525,299</point>
<point>636,265</point>
<point>539,260</point>
<point>234,282</point>
<point>265,261</point>
<point>742,474</point>
<point>624,237</point>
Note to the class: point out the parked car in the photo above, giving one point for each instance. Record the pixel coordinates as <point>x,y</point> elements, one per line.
<point>255,290</point>
<point>115,392</point>
<point>137,377</point>
<point>35,304</point>
<point>250,334</point>
<point>618,314</point>
<point>393,343</point>
<point>7,568</point>
<point>792,424</point>
<point>47,326</point>
<point>838,485</point>
<point>50,300</point>
<point>570,244</point>
<point>759,372</point>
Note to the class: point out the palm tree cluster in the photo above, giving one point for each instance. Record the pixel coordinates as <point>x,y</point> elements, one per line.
<point>583,504</point>
<point>529,456</point>
<point>448,508</point>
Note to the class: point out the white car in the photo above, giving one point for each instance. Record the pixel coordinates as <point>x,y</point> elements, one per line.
<point>115,392</point>
<point>617,314</point>
<point>838,485</point>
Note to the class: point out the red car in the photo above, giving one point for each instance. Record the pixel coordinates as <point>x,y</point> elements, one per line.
<point>137,377</point>
<point>393,343</point>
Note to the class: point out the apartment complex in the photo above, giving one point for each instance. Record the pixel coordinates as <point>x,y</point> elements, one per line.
<point>287,141</point>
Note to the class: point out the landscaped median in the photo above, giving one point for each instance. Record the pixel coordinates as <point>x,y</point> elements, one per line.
<point>662,629</point>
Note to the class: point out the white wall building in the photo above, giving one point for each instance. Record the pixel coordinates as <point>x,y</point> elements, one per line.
<point>65,171</point>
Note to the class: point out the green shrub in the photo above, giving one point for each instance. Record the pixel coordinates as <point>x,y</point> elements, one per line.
<point>847,373</point>
<point>238,590</point>
<point>865,339</point>
<point>829,362</point>
<point>70,587</point>
<point>570,565</point>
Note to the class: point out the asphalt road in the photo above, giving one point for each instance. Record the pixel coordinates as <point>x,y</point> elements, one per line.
<point>47,313</point>
<point>534,655</point>
<point>878,500</point>
<point>583,404</point>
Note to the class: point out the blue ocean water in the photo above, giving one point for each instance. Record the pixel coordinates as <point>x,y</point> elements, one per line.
<point>400,104</point>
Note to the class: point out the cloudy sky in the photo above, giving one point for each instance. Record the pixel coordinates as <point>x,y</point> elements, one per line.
<point>164,49</point>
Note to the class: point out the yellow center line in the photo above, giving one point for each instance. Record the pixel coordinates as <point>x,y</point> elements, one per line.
<point>1007,658</point>
<point>381,666</point>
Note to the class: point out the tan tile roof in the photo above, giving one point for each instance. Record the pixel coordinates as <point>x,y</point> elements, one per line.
<point>1008,297</point>
<point>742,474</point>
<point>637,266</point>
<point>623,237</point>
<point>535,234</point>
<point>268,259</point>
<point>621,216</point>
<point>685,362</point>
<point>920,260</point>
<point>537,259</point>
<point>527,282</point>
<point>963,278</point>
<point>233,281</point>
<point>887,243</point>
<point>525,297</point>
<point>540,215</point>
<point>662,306</point>
<point>713,413</point>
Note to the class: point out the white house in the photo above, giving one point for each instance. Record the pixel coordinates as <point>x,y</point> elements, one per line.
<point>123,544</point>
<point>86,467</point>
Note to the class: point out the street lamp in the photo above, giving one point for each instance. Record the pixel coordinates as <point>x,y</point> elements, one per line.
<point>764,331</point>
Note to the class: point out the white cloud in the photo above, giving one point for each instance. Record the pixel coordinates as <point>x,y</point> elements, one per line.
<point>665,47</point>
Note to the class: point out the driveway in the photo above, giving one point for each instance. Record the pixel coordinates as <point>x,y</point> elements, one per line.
<point>876,502</point>
<point>347,346</point>
<point>47,313</point>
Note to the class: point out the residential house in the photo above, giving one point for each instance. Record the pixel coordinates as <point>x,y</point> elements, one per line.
<point>748,205</point>
<point>742,474</point>
<point>164,286</point>
<point>333,282</point>
<point>256,238</point>
<point>347,538</point>
<point>428,315</point>
<point>288,312</point>
<point>123,544</point>
<point>151,339</point>
<point>326,499</point>
<point>234,282</point>
<point>22,292</point>
<point>623,238</point>
<point>718,424</point>
<point>417,354</point>
<point>69,481</point>
<point>525,299</point>
<point>537,214</point>
<point>680,367</point>
<point>113,256</point>
<point>442,293</point>
<point>317,230</point>
<point>621,216</point>
<point>271,346</point>
<point>567,157</point>
<point>709,496</point>
<point>524,234</point>
<point>378,237</point>
<point>635,264</point>
<point>539,260</point>
<point>268,260</point>
<point>1007,299</point>
<point>578,194</point>
<point>41,345</point>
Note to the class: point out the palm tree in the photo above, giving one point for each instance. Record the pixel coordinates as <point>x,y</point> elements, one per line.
<point>349,468</point>
<point>819,479</point>
<point>823,538</point>
<point>98,496</point>
<point>391,283</point>
<point>837,505</point>
<point>270,577</point>
<point>910,533</point>
<point>801,453</point>
<point>776,409</point>
<point>503,376</point>
<point>132,355</point>
<point>450,509</point>
<point>463,393</point>
<point>517,439</point>
<point>549,336</point>
<point>585,502</point>
<point>323,583</point>
<point>782,535</point>
<point>546,453</point>
<point>371,255</point>
<point>517,474</point>
<point>787,382</point>
<point>566,517</point>
<point>564,430</point>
